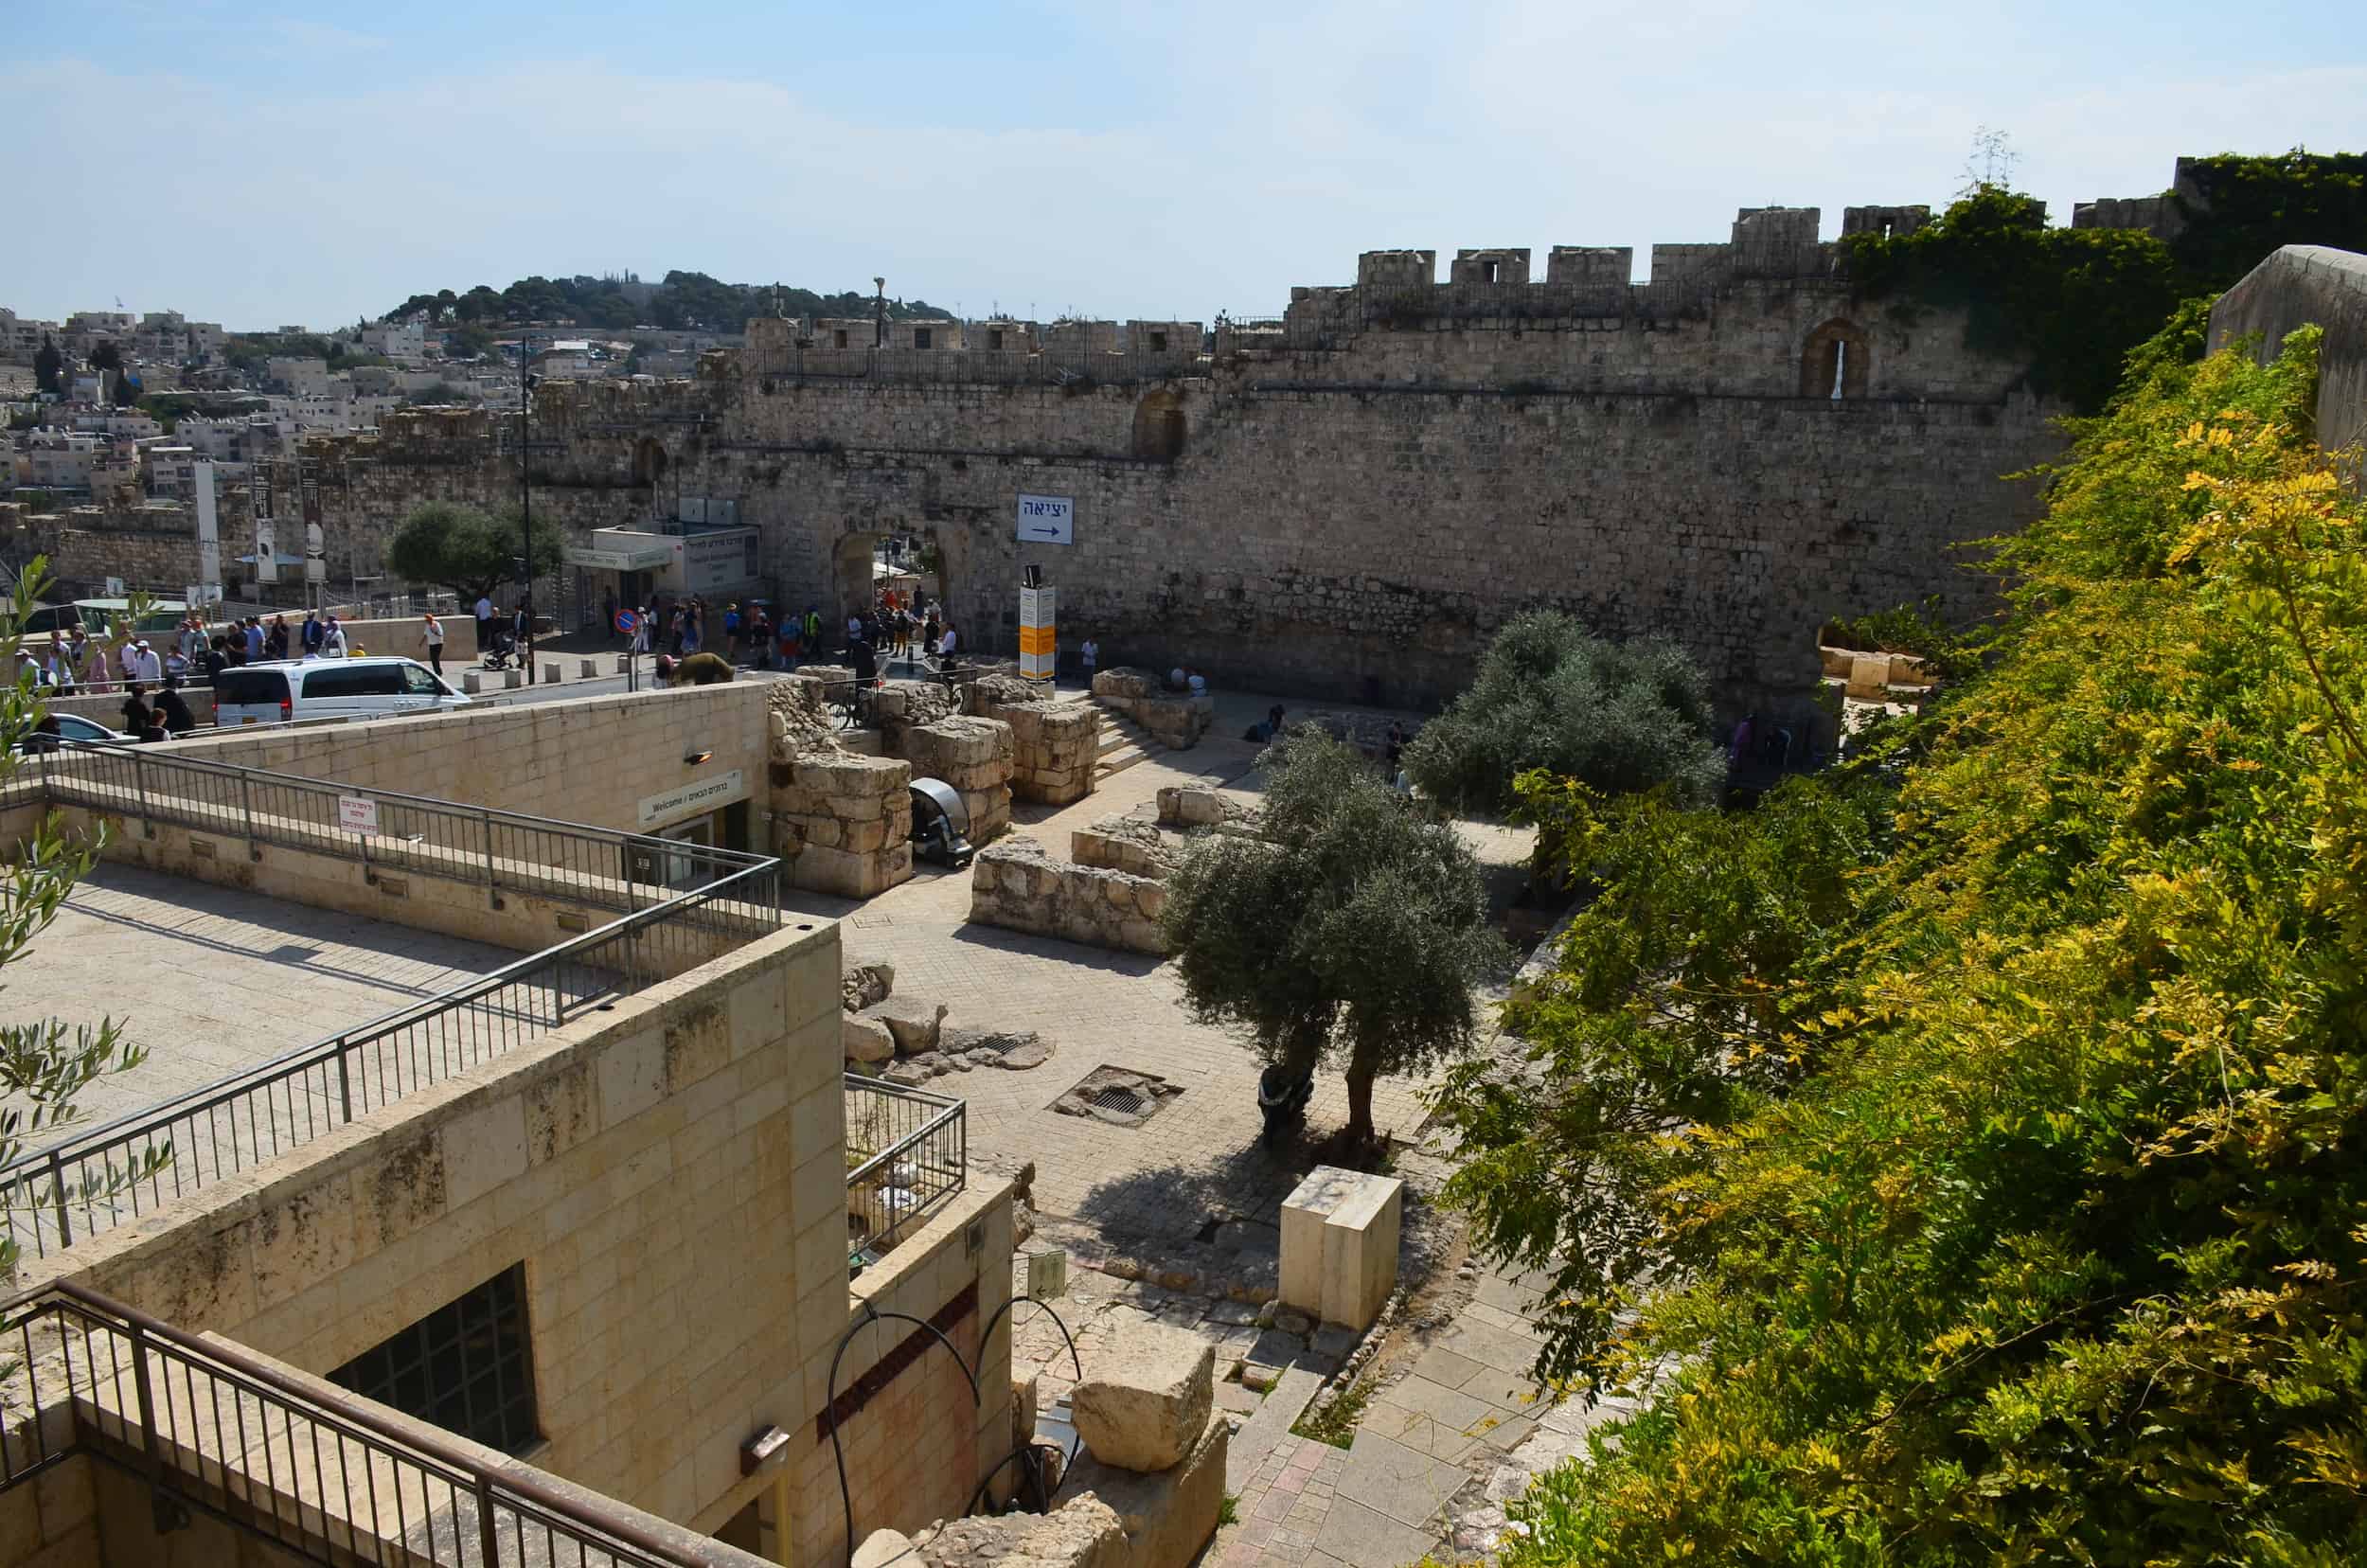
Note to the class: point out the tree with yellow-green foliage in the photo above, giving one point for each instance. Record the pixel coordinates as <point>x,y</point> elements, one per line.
<point>1964,1155</point>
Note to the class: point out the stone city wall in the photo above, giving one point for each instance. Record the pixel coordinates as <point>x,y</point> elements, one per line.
<point>1353,507</point>
<point>1016,886</point>
<point>2308,285</point>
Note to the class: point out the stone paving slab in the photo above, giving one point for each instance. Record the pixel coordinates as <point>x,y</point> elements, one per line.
<point>1404,1483</point>
<point>1354,1532</point>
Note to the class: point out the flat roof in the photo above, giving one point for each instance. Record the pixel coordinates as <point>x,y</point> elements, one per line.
<point>212,980</point>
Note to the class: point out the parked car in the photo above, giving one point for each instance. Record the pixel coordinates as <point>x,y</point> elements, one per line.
<point>71,727</point>
<point>289,691</point>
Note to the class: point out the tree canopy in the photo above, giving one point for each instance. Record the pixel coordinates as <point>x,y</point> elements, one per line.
<point>684,301</point>
<point>470,552</point>
<point>48,366</point>
<point>1548,695</point>
<point>44,1063</point>
<point>1961,1154</point>
<point>1351,928</point>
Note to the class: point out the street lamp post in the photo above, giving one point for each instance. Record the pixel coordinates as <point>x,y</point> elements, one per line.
<point>525,495</point>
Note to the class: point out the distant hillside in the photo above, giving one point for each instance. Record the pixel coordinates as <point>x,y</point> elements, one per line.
<point>684,301</point>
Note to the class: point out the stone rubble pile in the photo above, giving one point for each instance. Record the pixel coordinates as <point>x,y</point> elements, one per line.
<point>905,1040</point>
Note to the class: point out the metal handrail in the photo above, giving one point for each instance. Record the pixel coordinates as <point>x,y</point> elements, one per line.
<point>147,762</point>
<point>927,1164</point>
<point>158,1352</point>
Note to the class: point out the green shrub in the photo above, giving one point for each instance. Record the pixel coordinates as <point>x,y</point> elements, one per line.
<point>1616,715</point>
<point>1976,1176</point>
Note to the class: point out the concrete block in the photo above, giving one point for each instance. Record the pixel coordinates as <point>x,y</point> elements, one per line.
<point>471,682</point>
<point>586,669</point>
<point>624,663</point>
<point>1340,1236</point>
<point>512,679</point>
<point>550,671</point>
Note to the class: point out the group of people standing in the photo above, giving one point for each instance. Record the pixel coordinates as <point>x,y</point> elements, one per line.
<point>897,626</point>
<point>74,661</point>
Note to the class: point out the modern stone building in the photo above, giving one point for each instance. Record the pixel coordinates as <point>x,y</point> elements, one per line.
<point>552,1259</point>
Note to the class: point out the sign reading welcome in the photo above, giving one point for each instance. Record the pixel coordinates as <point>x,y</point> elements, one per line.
<point>704,794</point>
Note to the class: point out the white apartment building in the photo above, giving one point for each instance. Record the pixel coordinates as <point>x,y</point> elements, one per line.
<point>403,341</point>
<point>19,337</point>
<point>302,378</point>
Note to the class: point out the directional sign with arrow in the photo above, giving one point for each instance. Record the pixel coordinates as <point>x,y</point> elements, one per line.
<point>1048,520</point>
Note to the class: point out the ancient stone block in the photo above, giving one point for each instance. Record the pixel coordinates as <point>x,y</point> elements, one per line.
<point>914,1022</point>
<point>867,1040</point>
<point>1016,886</point>
<point>1147,1404</point>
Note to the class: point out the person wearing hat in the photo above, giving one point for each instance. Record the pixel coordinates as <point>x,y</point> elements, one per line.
<point>144,666</point>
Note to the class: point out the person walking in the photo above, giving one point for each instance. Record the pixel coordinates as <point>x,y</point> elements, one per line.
<point>144,666</point>
<point>254,638</point>
<point>431,638</point>
<point>332,640</point>
<point>139,719</point>
<point>1091,654</point>
<point>308,634</point>
<point>174,714</point>
<point>483,624</point>
<point>731,632</point>
<point>276,640</point>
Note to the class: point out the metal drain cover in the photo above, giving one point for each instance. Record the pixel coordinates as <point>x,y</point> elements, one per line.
<point>1119,1096</point>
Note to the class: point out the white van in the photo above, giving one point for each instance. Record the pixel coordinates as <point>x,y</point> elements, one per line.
<point>286,692</point>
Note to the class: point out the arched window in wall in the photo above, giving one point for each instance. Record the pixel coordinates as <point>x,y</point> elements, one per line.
<point>1836,362</point>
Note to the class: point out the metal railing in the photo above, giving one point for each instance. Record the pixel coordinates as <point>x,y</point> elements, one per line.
<point>908,1152</point>
<point>96,1179</point>
<point>499,850</point>
<point>322,1475</point>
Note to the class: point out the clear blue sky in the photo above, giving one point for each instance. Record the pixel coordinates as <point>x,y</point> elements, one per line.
<point>314,164</point>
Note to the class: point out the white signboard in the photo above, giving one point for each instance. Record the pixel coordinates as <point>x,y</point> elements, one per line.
<point>208,525</point>
<point>357,814</point>
<point>703,795</point>
<point>1048,520</point>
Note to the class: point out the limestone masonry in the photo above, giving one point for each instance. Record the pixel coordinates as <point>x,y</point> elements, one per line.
<point>1347,499</point>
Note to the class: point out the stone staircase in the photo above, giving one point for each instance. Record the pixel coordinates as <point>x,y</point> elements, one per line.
<point>1121,745</point>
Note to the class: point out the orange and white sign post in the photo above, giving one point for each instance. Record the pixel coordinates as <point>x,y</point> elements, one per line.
<point>1036,641</point>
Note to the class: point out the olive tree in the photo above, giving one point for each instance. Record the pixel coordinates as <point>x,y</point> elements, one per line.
<point>1352,929</point>
<point>1615,716</point>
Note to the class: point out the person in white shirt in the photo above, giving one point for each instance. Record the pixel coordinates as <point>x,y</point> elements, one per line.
<point>1092,651</point>
<point>431,638</point>
<point>946,645</point>
<point>144,665</point>
<point>333,643</point>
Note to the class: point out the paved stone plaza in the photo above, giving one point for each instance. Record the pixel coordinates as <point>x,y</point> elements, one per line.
<point>1177,1220</point>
